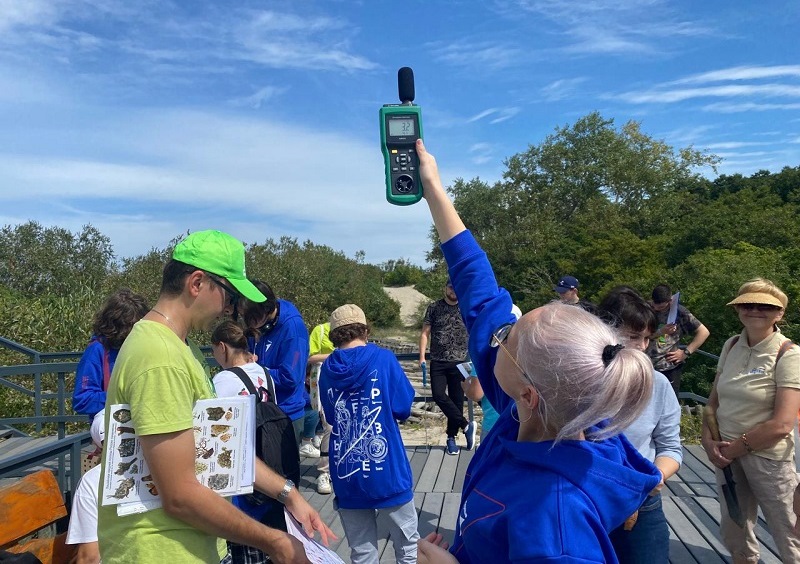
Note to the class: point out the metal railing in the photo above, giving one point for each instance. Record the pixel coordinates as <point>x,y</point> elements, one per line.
<point>37,356</point>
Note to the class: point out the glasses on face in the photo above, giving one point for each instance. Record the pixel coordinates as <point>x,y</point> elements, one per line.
<point>498,338</point>
<point>233,297</point>
<point>759,307</point>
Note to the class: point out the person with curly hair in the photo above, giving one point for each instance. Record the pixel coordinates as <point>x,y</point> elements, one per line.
<point>111,326</point>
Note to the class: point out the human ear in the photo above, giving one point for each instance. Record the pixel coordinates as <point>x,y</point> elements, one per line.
<point>529,397</point>
<point>194,283</point>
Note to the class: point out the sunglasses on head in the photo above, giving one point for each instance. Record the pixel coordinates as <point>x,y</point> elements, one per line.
<point>759,307</point>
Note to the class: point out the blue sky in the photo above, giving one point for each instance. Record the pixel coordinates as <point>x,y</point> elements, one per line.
<point>150,118</point>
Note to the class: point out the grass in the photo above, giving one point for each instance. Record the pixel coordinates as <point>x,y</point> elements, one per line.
<point>691,427</point>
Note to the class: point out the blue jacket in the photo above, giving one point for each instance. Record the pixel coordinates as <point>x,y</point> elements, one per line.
<point>528,501</point>
<point>364,391</point>
<point>283,351</point>
<point>89,395</point>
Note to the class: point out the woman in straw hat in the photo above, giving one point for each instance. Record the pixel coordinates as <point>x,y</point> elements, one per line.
<point>756,397</point>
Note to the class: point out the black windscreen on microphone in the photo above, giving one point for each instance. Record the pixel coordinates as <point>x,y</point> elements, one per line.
<point>405,84</point>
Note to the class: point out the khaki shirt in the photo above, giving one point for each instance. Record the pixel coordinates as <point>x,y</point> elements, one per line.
<point>747,386</point>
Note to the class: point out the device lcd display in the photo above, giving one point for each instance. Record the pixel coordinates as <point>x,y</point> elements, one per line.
<point>401,127</point>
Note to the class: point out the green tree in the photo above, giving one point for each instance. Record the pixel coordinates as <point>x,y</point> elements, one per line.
<point>36,260</point>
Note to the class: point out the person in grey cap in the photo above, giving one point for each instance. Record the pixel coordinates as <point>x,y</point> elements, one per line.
<point>567,289</point>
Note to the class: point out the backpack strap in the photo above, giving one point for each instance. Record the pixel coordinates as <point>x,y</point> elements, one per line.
<point>784,347</point>
<point>248,383</point>
<point>106,361</point>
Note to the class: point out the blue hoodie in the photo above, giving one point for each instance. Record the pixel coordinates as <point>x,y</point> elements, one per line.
<point>283,351</point>
<point>364,391</point>
<point>533,501</point>
<point>89,395</point>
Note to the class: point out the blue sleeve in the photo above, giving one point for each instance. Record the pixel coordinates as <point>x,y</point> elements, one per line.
<point>292,355</point>
<point>484,306</point>
<point>402,392</point>
<point>667,432</point>
<point>89,398</point>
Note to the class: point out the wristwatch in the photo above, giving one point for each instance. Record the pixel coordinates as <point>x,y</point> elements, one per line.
<point>687,352</point>
<point>287,489</point>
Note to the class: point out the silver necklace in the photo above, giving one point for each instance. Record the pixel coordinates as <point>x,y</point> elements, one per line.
<point>167,319</point>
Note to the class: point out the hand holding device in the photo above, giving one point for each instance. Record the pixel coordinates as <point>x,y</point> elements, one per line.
<point>401,126</point>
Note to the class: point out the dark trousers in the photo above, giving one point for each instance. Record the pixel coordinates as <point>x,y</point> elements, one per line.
<point>448,394</point>
<point>674,377</point>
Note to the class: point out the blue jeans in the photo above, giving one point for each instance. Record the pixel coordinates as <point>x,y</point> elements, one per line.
<point>648,541</point>
<point>311,418</point>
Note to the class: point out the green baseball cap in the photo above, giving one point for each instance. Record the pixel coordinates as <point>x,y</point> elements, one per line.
<point>218,253</point>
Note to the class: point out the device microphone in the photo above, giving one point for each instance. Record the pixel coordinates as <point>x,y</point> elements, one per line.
<point>405,85</point>
<point>401,126</point>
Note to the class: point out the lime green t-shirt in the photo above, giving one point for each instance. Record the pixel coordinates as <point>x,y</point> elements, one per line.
<point>319,342</point>
<point>159,376</point>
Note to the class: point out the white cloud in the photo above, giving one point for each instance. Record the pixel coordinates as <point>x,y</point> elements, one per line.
<point>260,97</point>
<point>251,177</point>
<point>736,144</point>
<point>734,90</point>
<point>733,108</point>
<point>741,73</point>
<point>609,27</point>
<point>560,89</point>
<point>502,114</point>
<point>481,55</point>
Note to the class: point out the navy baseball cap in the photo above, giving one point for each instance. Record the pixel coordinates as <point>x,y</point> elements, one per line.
<point>566,284</point>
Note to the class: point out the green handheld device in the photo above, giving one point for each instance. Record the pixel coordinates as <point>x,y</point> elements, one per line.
<point>401,126</point>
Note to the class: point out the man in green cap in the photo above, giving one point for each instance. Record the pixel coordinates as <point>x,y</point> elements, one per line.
<point>157,374</point>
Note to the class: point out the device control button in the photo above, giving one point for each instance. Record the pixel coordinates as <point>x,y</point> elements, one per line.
<point>403,168</point>
<point>395,168</point>
<point>412,168</point>
<point>397,159</point>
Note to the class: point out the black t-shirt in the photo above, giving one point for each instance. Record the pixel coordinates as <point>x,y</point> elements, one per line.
<point>448,333</point>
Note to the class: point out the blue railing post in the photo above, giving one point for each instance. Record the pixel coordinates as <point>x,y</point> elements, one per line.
<point>37,399</point>
<point>62,425</point>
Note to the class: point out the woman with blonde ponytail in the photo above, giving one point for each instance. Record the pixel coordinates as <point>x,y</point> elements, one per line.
<point>553,477</point>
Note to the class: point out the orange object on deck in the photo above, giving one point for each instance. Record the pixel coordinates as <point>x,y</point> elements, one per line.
<point>27,506</point>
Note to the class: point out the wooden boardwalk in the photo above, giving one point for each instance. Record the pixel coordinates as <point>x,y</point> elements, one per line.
<point>689,499</point>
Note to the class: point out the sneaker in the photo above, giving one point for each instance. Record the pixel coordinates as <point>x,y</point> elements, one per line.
<point>469,432</point>
<point>324,483</point>
<point>307,450</point>
<point>316,441</point>
<point>452,447</point>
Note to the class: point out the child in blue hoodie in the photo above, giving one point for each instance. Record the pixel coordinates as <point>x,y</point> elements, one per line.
<point>364,391</point>
<point>554,476</point>
<point>279,339</point>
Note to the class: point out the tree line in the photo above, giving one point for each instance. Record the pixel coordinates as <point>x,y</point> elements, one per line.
<point>605,203</point>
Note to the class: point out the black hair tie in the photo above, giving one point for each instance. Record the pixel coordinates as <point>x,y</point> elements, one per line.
<point>609,352</point>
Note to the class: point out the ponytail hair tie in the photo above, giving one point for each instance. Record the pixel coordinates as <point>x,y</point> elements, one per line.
<point>609,352</point>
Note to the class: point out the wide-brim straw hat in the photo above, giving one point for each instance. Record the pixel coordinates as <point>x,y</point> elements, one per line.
<point>757,298</point>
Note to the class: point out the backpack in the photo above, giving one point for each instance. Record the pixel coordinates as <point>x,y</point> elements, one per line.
<point>276,443</point>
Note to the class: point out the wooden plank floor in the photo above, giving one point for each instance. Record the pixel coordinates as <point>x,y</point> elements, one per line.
<point>438,479</point>
<point>690,504</point>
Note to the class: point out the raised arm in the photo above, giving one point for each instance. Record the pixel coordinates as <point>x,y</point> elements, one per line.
<point>445,217</point>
